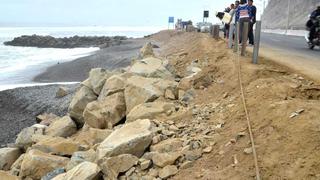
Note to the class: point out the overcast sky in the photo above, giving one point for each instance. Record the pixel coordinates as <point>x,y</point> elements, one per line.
<point>105,12</point>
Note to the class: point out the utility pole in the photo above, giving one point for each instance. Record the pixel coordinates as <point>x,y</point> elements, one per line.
<point>288,17</point>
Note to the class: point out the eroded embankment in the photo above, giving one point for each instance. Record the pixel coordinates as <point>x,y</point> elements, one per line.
<point>178,116</point>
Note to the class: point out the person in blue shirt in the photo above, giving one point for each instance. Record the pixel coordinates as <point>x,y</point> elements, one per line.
<point>242,16</point>
<point>252,13</point>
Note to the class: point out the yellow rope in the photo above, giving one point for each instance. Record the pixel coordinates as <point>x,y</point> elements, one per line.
<point>248,117</point>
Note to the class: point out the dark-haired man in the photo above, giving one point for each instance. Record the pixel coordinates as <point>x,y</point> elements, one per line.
<point>252,13</point>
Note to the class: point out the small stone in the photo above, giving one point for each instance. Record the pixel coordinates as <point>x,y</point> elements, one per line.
<point>153,172</point>
<point>186,165</point>
<point>145,164</point>
<point>130,171</point>
<point>173,128</point>
<point>248,150</point>
<point>168,171</point>
<point>207,149</point>
<point>62,92</point>
<point>167,133</point>
<point>193,155</point>
<point>164,159</point>
<point>170,122</point>
<point>235,160</point>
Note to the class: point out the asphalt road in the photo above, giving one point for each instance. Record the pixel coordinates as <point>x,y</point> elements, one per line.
<point>290,44</point>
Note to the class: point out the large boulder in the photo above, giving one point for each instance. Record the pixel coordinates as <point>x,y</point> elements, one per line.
<point>46,119</point>
<point>133,138</point>
<point>146,50</point>
<point>150,67</point>
<point>106,113</point>
<point>79,102</point>
<point>84,171</point>
<point>153,110</point>
<point>58,146</point>
<point>16,166</point>
<point>96,80</point>
<point>113,166</point>
<point>6,176</point>
<point>91,136</point>
<point>80,157</point>
<point>140,90</point>
<point>7,157</point>
<point>114,84</point>
<point>36,164</point>
<point>63,127</point>
<point>24,138</point>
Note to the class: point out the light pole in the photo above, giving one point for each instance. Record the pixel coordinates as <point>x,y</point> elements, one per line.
<point>288,17</point>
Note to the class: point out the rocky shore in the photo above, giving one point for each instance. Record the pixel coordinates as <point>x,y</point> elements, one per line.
<point>111,129</point>
<point>70,42</point>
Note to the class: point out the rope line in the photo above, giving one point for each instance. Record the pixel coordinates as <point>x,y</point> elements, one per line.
<point>258,177</point>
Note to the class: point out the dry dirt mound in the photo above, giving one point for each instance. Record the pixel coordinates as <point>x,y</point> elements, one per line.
<point>287,146</point>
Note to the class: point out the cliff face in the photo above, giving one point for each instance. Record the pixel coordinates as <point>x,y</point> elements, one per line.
<point>276,13</point>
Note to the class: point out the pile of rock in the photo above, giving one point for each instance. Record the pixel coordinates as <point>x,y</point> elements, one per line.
<point>119,125</point>
<point>70,42</point>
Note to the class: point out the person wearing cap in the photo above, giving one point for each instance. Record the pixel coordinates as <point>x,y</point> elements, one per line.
<point>252,13</point>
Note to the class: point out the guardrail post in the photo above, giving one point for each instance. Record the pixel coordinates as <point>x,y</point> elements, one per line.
<point>256,47</point>
<point>231,31</point>
<point>244,37</point>
<point>236,38</point>
<point>216,31</point>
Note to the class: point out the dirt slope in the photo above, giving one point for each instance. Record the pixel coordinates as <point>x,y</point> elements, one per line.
<point>288,148</point>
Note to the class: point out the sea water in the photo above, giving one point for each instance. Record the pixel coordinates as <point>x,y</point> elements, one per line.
<point>18,65</point>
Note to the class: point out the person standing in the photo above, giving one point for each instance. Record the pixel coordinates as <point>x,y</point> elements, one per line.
<point>233,16</point>
<point>252,13</point>
<point>242,16</point>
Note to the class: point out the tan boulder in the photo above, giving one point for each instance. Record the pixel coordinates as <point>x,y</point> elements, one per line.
<point>16,166</point>
<point>164,159</point>
<point>140,90</point>
<point>91,136</point>
<point>24,138</point>
<point>58,146</point>
<point>80,157</point>
<point>83,171</point>
<point>153,110</point>
<point>46,119</point>
<point>63,127</point>
<point>96,80</point>
<point>133,138</point>
<point>114,84</point>
<point>113,166</point>
<point>169,145</point>
<point>106,113</point>
<point>150,67</point>
<point>168,171</point>
<point>8,156</point>
<point>146,50</point>
<point>79,102</point>
<point>62,92</point>
<point>36,164</point>
<point>6,176</point>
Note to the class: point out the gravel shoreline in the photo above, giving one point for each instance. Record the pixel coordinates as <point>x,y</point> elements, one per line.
<point>19,107</point>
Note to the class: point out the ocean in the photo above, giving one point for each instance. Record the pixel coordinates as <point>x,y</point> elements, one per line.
<point>18,65</point>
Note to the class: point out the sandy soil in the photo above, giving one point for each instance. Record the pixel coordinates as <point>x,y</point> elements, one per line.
<point>288,148</point>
